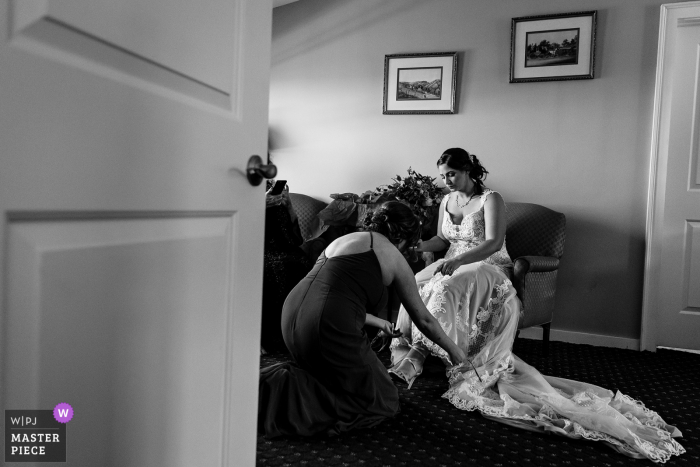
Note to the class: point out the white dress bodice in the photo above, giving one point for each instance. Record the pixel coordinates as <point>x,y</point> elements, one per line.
<point>470,233</point>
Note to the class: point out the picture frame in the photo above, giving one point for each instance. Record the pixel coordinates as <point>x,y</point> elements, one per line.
<point>420,83</point>
<point>553,47</point>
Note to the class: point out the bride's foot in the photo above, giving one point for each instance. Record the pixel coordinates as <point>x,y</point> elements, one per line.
<point>407,370</point>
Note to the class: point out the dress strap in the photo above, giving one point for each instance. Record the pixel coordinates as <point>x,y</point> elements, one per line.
<point>371,240</point>
<point>485,195</point>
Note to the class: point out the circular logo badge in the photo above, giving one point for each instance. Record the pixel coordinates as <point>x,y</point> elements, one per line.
<point>63,413</point>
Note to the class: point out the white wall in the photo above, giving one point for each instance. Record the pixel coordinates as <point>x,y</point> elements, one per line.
<point>579,147</point>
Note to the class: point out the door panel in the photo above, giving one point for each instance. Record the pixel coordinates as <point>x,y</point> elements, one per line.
<point>142,305</point>
<point>194,40</point>
<point>672,283</point>
<point>187,48</point>
<point>680,323</point>
<point>691,283</point>
<point>132,242</point>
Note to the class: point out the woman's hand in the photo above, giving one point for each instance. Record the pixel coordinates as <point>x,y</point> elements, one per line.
<point>383,325</point>
<point>457,356</point>
<point>449,267</point>
<point>276,200</point>
<point>282,199</point>
<point>386,332</point>
<point>388,328</point>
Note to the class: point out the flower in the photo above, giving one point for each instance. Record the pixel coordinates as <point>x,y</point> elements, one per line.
<point>419,192</point>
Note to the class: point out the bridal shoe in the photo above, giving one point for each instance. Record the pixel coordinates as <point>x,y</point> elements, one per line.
<point>407,370</point>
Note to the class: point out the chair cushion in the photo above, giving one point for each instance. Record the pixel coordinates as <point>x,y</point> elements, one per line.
<point>534,230</point>
<point>307,209</point>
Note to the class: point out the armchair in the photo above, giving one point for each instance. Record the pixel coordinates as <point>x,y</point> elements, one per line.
<point>307,209</point>
<point>535,241</point>
<point>315,233</point>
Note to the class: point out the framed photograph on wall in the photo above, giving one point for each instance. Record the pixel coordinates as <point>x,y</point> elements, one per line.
<point>552,47</point>
<point>420,83</point>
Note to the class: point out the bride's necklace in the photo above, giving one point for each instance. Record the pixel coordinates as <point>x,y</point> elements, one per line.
<point>462,206</point>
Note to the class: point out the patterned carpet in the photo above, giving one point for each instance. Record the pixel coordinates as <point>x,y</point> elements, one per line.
<point>430,431</point>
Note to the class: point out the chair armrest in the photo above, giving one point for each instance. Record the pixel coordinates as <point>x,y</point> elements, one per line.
<point>526,264</point>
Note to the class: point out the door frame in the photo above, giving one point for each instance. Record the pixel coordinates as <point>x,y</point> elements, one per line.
<point>658,168</point>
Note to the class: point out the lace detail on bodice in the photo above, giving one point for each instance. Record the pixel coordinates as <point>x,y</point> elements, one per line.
<point>470,233</point>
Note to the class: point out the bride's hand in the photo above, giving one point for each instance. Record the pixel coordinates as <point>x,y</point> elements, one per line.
<point>448,267</point>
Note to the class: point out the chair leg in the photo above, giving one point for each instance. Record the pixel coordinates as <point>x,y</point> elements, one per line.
<point>545,339</point>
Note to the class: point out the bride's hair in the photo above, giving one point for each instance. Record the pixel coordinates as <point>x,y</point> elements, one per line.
<point>395,221</point>
<point>459,159</point>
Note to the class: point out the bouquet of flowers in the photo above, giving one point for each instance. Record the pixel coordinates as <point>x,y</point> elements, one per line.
<point>419,192</point>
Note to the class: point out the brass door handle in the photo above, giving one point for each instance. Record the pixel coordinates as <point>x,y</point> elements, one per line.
<point>257,170</point>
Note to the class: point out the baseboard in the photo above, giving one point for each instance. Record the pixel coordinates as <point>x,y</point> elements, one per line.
<point>679,350</point>
<point>582,338</point>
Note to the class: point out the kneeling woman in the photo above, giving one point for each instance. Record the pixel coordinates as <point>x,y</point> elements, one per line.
<point>337,382</point>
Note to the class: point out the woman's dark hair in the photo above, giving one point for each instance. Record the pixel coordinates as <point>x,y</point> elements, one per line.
<point>395,221</point>
<point>459,159</point>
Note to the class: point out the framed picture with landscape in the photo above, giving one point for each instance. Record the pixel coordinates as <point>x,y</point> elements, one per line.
<point>420,83</point>
<point>552,47</point>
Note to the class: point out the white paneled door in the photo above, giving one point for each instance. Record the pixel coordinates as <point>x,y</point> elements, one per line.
<point>672,282</point>
<point>131,239</point>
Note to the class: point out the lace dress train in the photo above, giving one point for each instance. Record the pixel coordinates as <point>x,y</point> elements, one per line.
<point>478,309</point>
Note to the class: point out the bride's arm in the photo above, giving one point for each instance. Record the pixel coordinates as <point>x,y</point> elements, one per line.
<point>438,242</point>
<point>435,244</point>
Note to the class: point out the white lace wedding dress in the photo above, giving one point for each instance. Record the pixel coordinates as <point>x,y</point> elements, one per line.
<point>478,309</point>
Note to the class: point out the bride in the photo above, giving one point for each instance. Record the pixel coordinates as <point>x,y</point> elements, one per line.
<point>470,294</point>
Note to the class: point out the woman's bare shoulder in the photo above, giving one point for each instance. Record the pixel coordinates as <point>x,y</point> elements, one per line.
<point>493,197</point>
<point>387,253</point>
<point>351,243</point>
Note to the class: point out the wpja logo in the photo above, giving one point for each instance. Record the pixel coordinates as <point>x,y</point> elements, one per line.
<point>37,435</point>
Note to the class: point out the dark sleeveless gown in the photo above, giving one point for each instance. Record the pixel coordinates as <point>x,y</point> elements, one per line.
<point>336,382</point>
